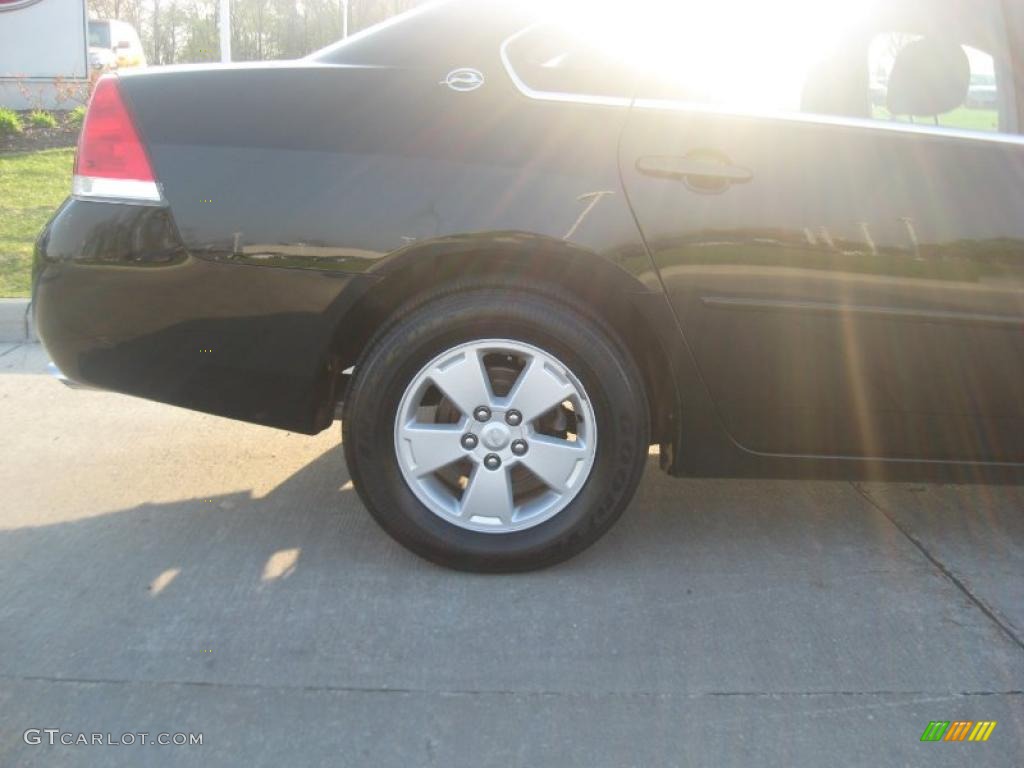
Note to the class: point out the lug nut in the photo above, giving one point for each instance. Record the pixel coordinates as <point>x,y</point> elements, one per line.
<point>514,418</point>
<point>519,447</point>
<point>492,461</point>
<point>469,441</point>
<point>483,413</point>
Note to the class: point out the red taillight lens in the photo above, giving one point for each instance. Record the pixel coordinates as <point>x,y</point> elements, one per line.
<point>112,164</point>
<point>110,147</point>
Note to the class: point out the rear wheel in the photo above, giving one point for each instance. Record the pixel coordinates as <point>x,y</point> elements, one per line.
<point>493,430</point>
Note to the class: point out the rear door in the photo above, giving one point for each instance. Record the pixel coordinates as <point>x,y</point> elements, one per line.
<point>835,204</point>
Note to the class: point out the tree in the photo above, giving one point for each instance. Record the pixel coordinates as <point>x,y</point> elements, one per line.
<point>184,31</point>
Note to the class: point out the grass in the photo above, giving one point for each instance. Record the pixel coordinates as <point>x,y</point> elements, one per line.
<point>32,186</point>
<point>42,119</point>
<point>76,117</point>
<point>10,123</point>
<point>963,118</point>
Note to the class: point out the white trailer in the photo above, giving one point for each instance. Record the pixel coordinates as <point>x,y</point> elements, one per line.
<point>43,43</point>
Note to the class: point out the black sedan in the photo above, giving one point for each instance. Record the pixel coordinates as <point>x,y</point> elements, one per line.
<point>514,248</point>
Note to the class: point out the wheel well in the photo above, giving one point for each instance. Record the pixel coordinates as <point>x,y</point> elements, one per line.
<point>582,281</point>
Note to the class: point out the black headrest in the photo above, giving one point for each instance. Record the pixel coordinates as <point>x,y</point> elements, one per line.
<point>929,78</point>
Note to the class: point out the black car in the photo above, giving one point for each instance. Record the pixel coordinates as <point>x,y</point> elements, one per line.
<point>521,248</point>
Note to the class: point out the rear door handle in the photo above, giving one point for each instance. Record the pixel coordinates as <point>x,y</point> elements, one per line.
<point>705,171</point>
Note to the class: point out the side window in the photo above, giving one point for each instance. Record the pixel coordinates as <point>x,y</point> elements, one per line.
<point>939,63</point>
<point>550,60</point>
<point>99,34</point>
<point>939,82</point>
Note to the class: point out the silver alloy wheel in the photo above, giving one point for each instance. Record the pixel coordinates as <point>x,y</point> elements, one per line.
<point>495,463</point>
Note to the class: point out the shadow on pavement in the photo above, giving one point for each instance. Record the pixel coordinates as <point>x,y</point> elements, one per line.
<point>739,603</point>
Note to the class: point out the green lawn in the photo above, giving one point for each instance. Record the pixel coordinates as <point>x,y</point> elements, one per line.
<point>31,187</point>
<point>964,118</point>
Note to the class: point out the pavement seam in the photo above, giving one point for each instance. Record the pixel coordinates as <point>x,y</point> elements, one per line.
<point>17,345</point>
<point>505,692</point>
<point>948,573</point>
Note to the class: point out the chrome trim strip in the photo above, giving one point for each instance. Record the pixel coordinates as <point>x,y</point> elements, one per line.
<point>565,98</point>
<point>811,118</point>
<point>116,190</point>
<point>827,308</point>
<point>840,458</point>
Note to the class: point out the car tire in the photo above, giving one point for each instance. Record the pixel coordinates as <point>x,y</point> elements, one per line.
<point>539,348</point>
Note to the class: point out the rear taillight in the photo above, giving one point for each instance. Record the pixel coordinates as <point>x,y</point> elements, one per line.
<point>112,163</point>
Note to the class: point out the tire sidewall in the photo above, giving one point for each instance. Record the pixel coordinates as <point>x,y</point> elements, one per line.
<point>403,351</point>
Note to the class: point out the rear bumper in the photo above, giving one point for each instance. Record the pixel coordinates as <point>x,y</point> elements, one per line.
<point>120,305</point>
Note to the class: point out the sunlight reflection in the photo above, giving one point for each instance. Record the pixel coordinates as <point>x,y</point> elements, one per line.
<point>161,582</point>
<point>281,564</point>
<point>672,39</point>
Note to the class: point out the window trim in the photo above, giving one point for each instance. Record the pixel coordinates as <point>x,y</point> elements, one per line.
<point>693,107</point>
<point>558,96</point>
<point>831,120</point>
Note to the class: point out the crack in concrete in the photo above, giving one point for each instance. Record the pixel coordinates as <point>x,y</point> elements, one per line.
<point>505,692</point>
<point>978,602</point>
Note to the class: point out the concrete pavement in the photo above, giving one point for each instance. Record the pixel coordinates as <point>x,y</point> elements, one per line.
<point>15,322</point>
<point>168,571</point>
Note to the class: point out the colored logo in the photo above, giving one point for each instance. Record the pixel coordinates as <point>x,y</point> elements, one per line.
<point>13,5</point>
<point>958,730</point>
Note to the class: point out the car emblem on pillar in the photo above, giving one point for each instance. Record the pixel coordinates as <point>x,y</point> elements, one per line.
<point>464,80</point>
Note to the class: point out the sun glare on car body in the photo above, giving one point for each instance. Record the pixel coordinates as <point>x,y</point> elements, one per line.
<point>754,56</point>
